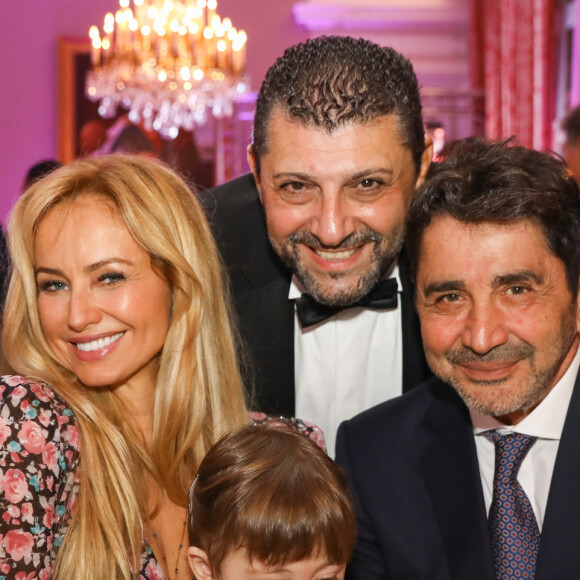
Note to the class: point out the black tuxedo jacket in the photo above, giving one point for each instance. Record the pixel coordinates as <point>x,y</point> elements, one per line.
<point>415,479</point>
<point>260,284</point>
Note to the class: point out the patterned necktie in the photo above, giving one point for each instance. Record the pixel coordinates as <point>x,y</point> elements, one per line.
<point>310,312</point>
<point>514,532</point>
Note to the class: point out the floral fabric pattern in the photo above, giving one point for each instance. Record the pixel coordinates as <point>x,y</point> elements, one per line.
<point>150,569</point>
<point>39,456</point>
<point>39,481</point>
<point>308,429</point>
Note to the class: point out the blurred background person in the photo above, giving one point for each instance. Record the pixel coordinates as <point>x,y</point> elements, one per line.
<point>38,171</point>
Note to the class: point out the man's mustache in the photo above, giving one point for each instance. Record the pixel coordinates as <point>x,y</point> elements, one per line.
<point>353,240</point>
<point>500,353</point>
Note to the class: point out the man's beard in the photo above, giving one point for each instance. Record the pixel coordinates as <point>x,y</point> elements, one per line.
<point>384,253</point>
<point>531,389</point>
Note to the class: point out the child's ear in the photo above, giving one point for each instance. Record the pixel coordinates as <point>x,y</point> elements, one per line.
<point>199,563</point>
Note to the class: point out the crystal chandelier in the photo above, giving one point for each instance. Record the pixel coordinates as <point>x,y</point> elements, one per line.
<point>168,62</point>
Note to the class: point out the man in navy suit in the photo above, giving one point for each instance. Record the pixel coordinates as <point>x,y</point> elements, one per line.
<point>493,238</point>
<point>338,148</point>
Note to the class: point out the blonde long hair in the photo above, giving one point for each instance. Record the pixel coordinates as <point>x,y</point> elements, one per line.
<point>199,393</point>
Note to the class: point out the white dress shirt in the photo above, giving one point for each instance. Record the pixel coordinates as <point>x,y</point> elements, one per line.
<point>347,364</point>
<point>545,422</point>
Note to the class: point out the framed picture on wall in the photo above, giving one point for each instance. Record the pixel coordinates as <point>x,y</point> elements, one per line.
<point>76,114</point>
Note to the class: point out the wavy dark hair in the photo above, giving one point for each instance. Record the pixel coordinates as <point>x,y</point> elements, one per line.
<point>330,81</point>
<point>502,182</point>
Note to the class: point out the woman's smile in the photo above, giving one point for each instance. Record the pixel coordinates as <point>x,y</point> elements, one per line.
<point>103,307</point>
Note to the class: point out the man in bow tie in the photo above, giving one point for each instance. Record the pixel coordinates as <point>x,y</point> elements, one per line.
<point>474,475</point>
<point>312,239</point>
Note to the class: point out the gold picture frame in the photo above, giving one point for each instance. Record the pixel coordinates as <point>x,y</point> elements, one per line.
<point>74,110</point>
<point>73,63</point>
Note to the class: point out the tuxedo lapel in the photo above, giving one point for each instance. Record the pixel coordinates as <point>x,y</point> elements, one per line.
<point>559,554</point>
<point>267,323</point>
<point>259,285</point>
<point>452,476</point>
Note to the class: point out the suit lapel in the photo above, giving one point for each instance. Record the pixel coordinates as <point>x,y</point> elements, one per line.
<point>559,555</point>
<point>452,476</point>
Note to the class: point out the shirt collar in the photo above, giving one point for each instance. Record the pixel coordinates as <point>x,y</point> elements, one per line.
<point>296,288</point>
<point>546,421</point>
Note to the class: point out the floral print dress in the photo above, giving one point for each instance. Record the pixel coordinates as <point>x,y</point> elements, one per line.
<point>39,457</point>
<point>39,480</point>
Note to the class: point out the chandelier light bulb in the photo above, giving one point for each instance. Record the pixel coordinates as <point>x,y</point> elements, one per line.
<point>169,62</point>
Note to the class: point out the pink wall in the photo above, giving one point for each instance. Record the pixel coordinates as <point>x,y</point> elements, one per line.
<point>28,74</point>
<point>270,27</point>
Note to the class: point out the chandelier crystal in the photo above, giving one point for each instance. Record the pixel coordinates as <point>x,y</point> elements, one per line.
<point>168,62</point>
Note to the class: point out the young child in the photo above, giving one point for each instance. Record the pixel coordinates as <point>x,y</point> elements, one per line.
<point>269,503</point>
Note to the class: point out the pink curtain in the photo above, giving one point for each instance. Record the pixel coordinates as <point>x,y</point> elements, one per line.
<point>514,48</point>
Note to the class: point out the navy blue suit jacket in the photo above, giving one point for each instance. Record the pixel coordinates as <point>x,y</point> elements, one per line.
<point>415,479</point>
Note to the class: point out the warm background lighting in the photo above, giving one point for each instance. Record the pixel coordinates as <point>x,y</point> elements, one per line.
<point>168,62</point>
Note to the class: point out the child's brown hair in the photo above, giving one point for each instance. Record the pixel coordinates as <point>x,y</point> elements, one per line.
<point>273,492</point>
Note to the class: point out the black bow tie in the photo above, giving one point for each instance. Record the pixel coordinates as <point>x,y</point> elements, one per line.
<point>310,312</point>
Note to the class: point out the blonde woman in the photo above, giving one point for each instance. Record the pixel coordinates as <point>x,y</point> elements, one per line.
<point>116,313</point>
